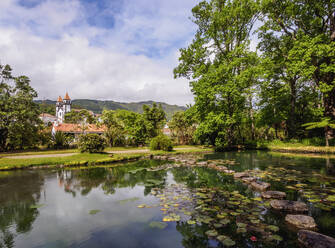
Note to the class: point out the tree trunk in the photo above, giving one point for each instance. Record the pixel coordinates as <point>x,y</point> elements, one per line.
<point>329,105</point>
<point>291,128</point>
<point>251,116</point>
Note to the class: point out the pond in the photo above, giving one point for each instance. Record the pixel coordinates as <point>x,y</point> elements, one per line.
<point>152,203</point>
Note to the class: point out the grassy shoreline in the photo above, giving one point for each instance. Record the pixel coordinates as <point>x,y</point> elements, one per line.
<point>83,159</point>
<point>296,148</point>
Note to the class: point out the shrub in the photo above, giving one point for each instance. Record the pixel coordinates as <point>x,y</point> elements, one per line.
<point>161,142</point>
<point>60,140</point>
<point>91,143</point>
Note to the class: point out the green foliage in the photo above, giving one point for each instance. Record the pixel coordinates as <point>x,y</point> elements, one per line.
<point>325,122</point>
<point>161,142</point>
<point>60,140</point>
<point>115,134</point>
<point>221,67</point>
<point>19,122</point>
<point>135,127</point>
<point>155,118</point>
<point>91,143</point>
<point>79,116</point>
<point>183,126</point>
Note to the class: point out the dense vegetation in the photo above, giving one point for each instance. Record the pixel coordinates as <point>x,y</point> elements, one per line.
<point>284,90</point>
<point>19,122</point>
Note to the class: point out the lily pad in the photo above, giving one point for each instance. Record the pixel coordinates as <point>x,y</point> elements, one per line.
<point>191,222</point>
<point>276,237</point>
<point>273,228</point>
<point>158,224</point>
<point>128,200</point>
<point>225,240</point>
<point>241,230</point>
<point>94,211</point>
<point>211,233</point>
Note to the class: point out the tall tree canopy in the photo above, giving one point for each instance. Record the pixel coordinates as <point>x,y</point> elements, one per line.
<point>19,122</point>
<point>240,94</point>
<point>220,65</point>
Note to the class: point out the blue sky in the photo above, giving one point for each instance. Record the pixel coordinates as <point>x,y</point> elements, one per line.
<point>122,50</point>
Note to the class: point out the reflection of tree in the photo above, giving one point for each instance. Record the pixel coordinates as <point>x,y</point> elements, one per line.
<point>192,235</point>
<point>204,177</point>
<point>109,178</point>
<point>18,191</point>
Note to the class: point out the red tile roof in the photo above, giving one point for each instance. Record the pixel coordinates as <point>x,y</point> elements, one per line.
<point>78,128</point>
<point>59,99</point>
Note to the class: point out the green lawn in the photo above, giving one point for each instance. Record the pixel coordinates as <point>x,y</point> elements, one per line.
<point>80,158</point>
<point>300,148</point>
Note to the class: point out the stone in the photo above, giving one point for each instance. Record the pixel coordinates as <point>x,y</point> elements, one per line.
<point>301,221</point>
<point>291,206</point>
<point>221,168</point>
<point>273,194</point>
<point>312,239</point>
<point>261,186</point>
<point>204,163</point>
<point>249,180</point>
<point>240,174</point>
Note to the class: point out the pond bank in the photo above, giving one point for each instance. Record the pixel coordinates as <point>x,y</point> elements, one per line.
<point>83,159</point>
<point>301,149</point>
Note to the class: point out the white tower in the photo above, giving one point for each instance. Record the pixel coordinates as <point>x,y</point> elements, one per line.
<point>63,107</point>
<point>67,103</point>
<point>60,110</point>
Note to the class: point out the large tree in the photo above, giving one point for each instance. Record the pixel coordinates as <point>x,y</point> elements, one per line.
<point>310,27</point>
<point>220,65</point>
<point>155,119</point>
<point>19,122</point>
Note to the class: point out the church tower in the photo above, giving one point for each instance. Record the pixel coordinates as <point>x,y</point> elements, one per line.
<point>67,103</point>
<point>60,109</point>
<point>63,106</point>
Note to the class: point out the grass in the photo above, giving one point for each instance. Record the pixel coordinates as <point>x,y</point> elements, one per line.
<point>38,152</point>
<point>298,147</point>
<point>81,159</point>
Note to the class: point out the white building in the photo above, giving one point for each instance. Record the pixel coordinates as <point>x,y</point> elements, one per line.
<point>63,107</point>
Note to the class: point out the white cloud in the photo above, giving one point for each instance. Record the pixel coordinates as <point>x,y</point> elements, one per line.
<point>44,43</point>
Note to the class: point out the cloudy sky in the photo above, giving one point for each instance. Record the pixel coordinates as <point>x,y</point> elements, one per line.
<point>122,50</point>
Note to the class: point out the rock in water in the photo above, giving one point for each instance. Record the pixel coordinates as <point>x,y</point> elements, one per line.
<point>291,206</point>
<point>273,194</point>
<point>240,175</point>
<point>261,186</point>
<point>249,180</point>
<point>301,221</point>
<point>315,240</point>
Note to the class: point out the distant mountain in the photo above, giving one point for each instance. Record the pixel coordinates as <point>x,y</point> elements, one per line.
<point>97,106</point>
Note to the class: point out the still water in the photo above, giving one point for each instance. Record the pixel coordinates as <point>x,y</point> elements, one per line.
<point>103,207</point>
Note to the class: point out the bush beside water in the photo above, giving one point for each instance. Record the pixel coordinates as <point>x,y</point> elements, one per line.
<point>161,142</point>
<point>91,143</point>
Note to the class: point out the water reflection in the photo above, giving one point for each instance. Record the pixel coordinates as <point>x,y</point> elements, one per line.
<point>18,192</point>
<point>68,196</point>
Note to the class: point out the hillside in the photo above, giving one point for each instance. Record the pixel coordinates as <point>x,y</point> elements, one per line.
<point>97,106</point>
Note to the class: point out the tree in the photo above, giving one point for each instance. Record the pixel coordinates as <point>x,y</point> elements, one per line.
<point>310,25</point>
<point>135,127</point>
<point>183,127</point>
<point>155,118</point>
<point>79,117</point>
<point>19,122</point>
<point>115,133</point>
<point>221,67</point>
<point>91,142</point>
